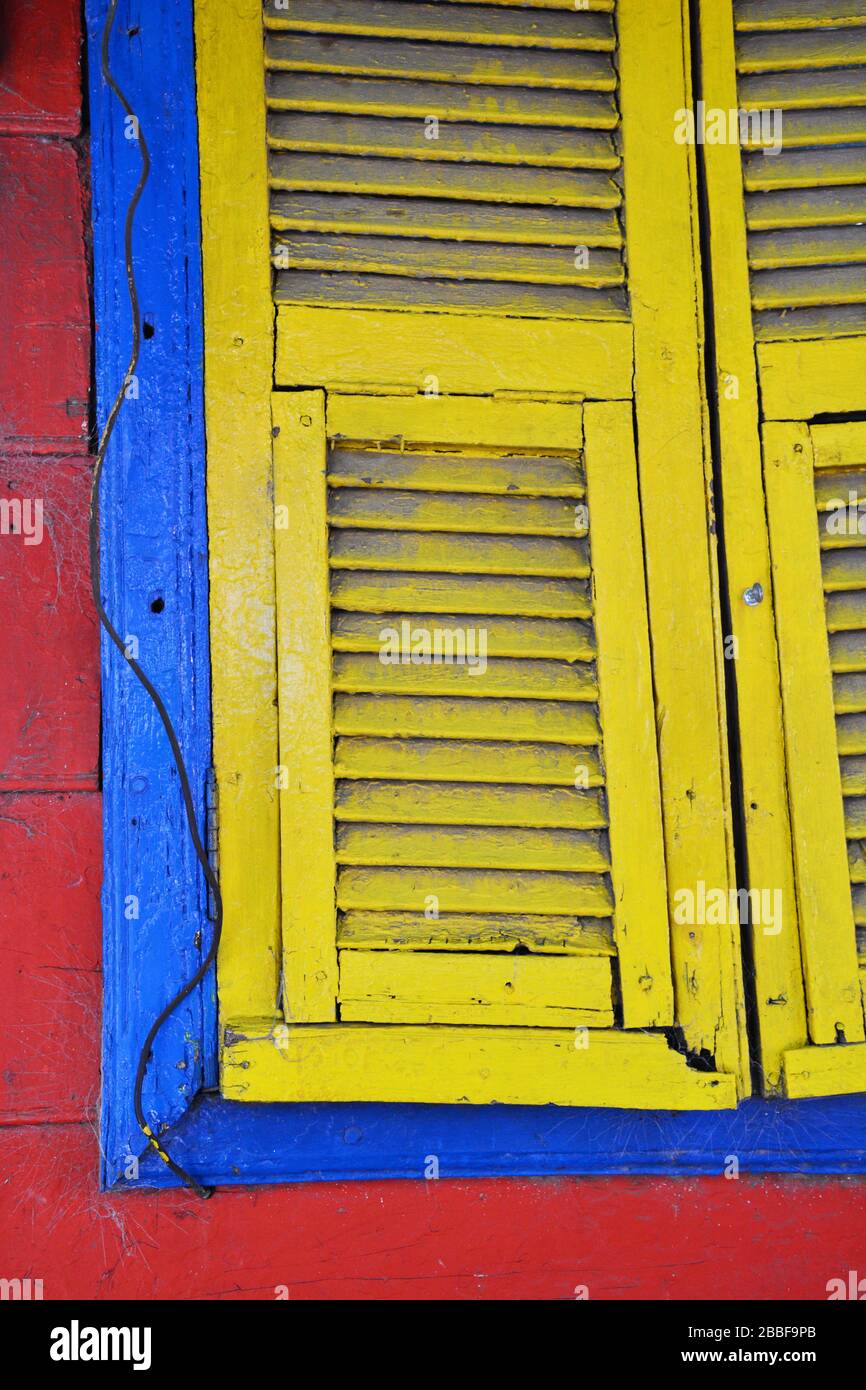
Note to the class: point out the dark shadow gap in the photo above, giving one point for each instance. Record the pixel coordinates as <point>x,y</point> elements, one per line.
<point>737,790</point>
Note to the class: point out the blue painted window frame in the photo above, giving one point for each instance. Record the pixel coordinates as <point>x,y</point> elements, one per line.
<point>154,546</point>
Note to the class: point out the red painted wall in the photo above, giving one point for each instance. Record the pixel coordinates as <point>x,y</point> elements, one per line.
<point>622,1238</point>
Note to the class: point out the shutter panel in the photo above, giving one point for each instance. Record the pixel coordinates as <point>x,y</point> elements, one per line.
<point>806,205</point>
<point>787,273</point>
<point>495,781</point>
<point>444,156</point>
<point>816,479</point>
<point>804,67</point>
<point>420,300</point>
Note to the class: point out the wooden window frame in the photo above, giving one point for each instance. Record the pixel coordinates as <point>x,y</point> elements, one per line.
<point>239,351</point>
<point>154,544</point>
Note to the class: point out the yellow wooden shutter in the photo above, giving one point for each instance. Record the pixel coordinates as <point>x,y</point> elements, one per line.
<point>815,480</point>
<point>787,251</point>
<point>453,382</point>
<point>484,810</point>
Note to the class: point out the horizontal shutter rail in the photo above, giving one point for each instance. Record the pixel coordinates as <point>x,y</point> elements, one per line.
<point>401,931</point>
<point>803,65</point>
<point>471,23</point>
<point>385,987</point>
<point>395,125</point>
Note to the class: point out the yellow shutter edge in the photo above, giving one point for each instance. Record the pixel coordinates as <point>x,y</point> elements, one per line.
<point>675,507</point>
<point>641,928</point>
<point>825,1071</point>
<point>820,850</point>
<point>306,767</point>
<point>778,968</point>
<point>238,321</point>
<point>476,1066</point>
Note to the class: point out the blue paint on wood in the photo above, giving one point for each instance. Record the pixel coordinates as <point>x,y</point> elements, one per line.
<point>226,1142</point>
<point>154,550</point>
<point>154,546</point>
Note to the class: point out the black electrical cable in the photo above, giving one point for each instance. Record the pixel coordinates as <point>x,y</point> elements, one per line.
<point>189,806</point>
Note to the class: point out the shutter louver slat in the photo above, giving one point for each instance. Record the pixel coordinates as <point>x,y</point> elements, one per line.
<point>402,931</point>
<point>411,146</point>
<point>797,14</point>
<point>808,61</point>
<point>515,721</point>
<point>472,24</point>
